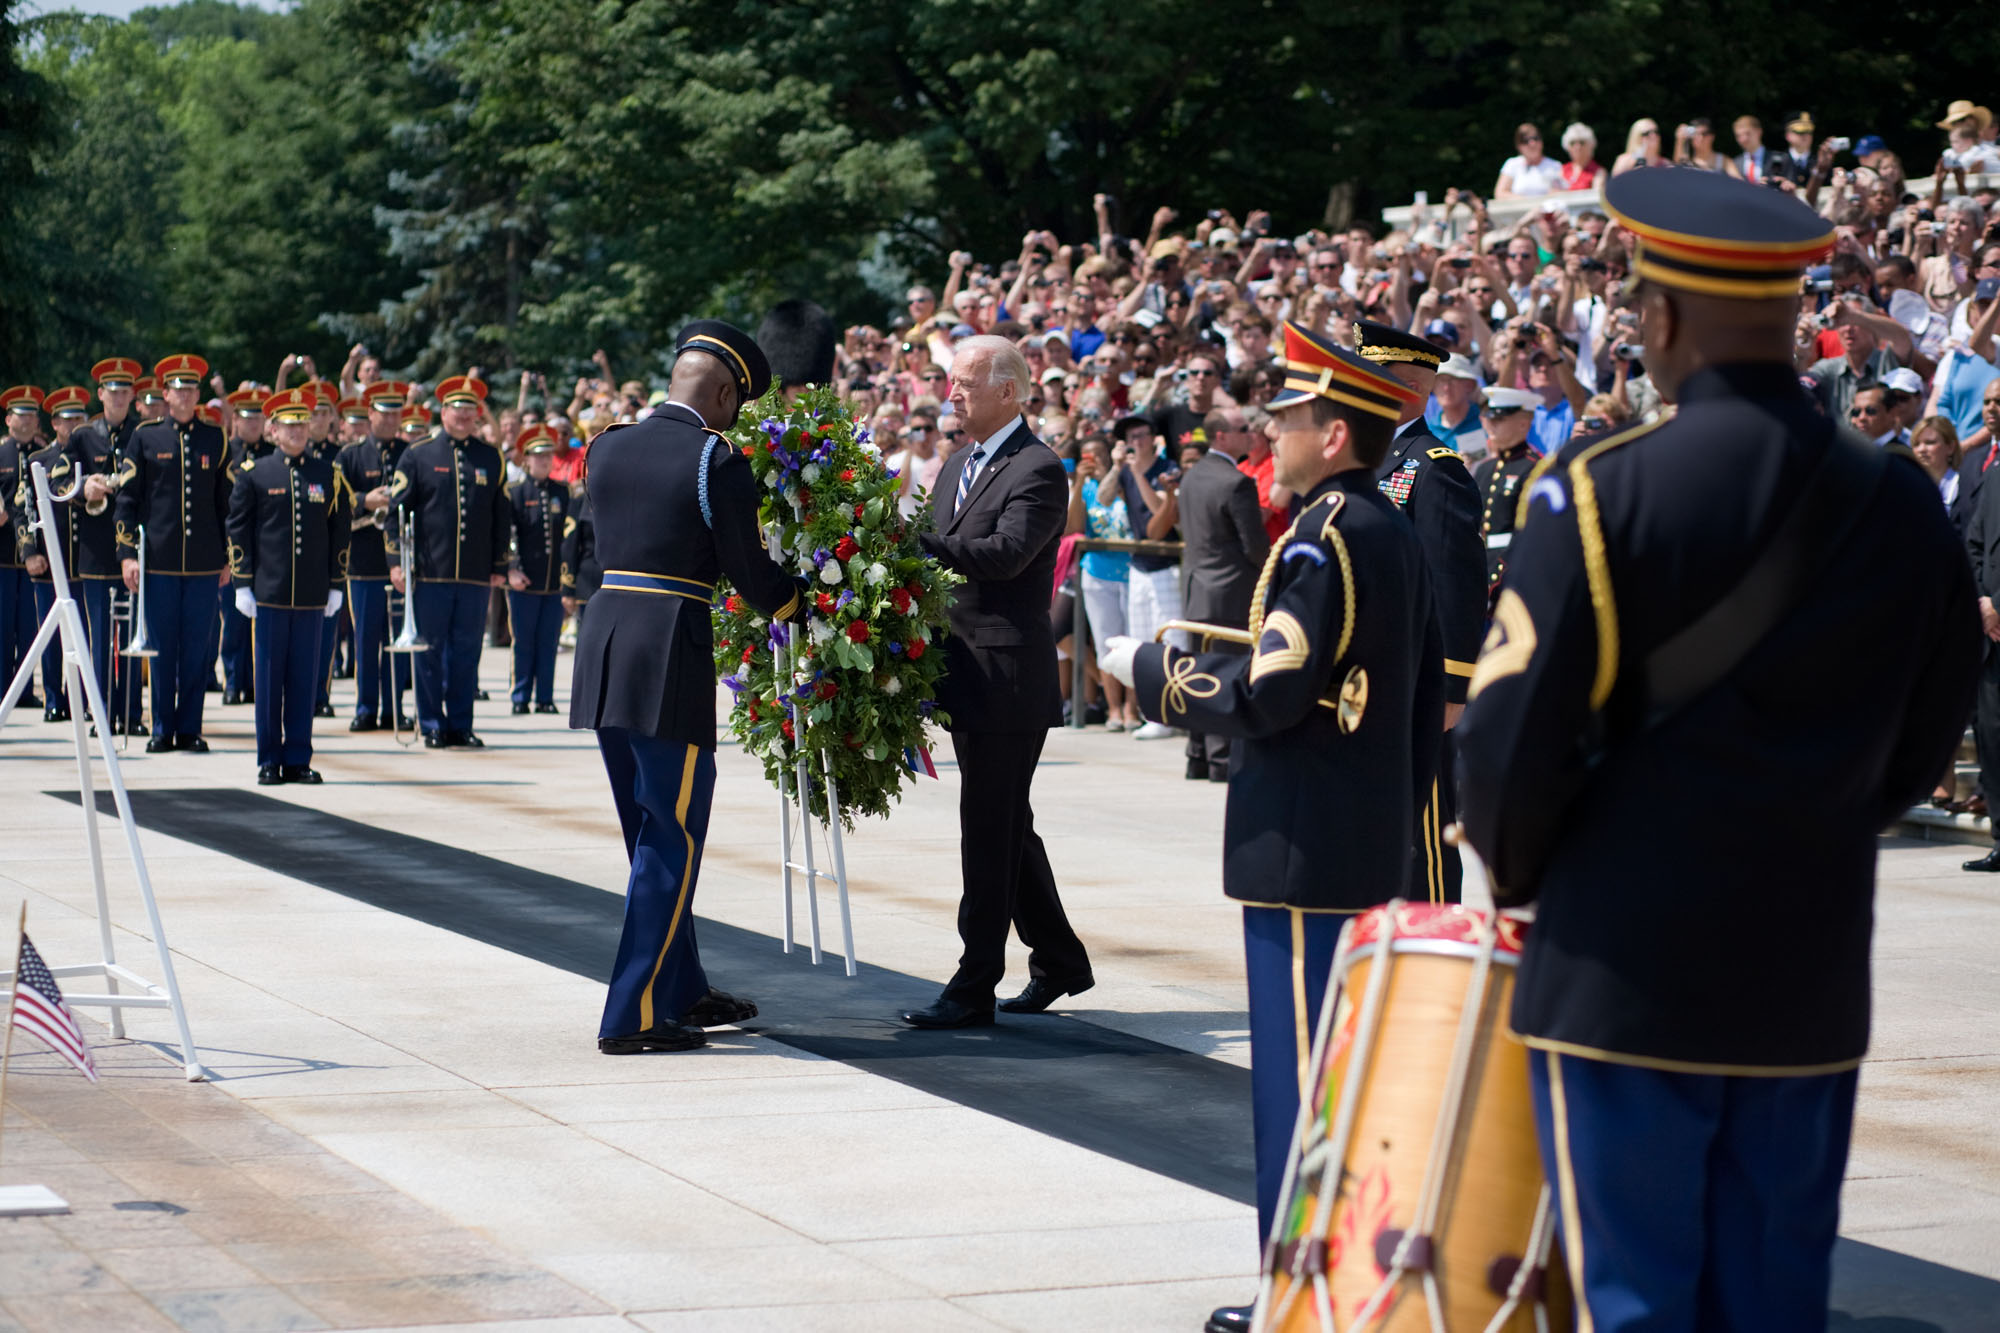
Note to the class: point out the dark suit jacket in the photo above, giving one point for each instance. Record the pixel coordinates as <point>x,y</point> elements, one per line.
<point>1000,656</point>
<point>1971,478</point>
<point>1225,541</point>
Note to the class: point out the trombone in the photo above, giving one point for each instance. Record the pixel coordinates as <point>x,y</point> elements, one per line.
<point>1206,635</point>
<point>407,639</point>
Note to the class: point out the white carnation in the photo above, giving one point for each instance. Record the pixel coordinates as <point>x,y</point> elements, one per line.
<point>830,572</point>
<point>822,630</point>
<point>877,572</point>
<point>895,685</point>
<point>809,473</point>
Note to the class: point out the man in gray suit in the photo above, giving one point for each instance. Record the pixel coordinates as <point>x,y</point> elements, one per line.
<point>1225,546</point>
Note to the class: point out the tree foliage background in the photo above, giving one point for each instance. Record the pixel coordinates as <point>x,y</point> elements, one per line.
<point>514,183</point>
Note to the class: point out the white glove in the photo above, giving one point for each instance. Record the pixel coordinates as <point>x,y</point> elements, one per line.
<point>1116,659</point>
<point>246,603</point>
<point>333,600</point>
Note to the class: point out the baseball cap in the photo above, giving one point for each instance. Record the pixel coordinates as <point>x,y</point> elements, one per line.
<point>1457,367</point>
<point>1987,289</point>
<point>1053,374</point>
<point>1869,143</point>
<point>1904,380</point>
<point>1221,237</point>
<point>1442,329</point>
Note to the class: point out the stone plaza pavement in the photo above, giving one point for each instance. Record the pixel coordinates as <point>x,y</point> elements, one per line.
<point>409,1124</point>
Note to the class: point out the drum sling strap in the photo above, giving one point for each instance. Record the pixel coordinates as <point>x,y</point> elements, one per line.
<point>1701,654</point>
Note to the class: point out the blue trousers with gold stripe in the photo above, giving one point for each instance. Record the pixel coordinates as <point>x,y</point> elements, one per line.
<point>179,610</point>
<point>17,622</point>
<point>1694,1201</point>
<point>537,619</point>
<point>662,789</point>
<point>1288,959</point>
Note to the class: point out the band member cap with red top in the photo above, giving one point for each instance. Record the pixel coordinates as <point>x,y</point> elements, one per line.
<point>353,409</point>
<point>536,440</point>
<point>1318,367</point>
<point>21,398</point>
<point>183,370</point>
<point>116,372</point>
<point>386,395</point>
<point>325,392</point>
<point>462,390</point>
<point>291,404</point>
<point>72,400</point>
<point>246,403</point>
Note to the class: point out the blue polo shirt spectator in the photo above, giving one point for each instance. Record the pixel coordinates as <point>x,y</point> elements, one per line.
<point>1552,426</point>
<point>1961,381</point>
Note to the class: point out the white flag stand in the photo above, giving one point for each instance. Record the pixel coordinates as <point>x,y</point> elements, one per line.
<point>795,814</point>
<point>79,671</point>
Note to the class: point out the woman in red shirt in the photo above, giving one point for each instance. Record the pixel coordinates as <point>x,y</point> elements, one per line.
<point>1583,171</point>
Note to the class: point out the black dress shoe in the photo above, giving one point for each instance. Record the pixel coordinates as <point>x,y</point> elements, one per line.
<point>302,773</point>
<point>270,775</point>
<point>213,687</point>
<point>159,744</point>
<point>434,740</point>
<point>1229,1319</point>
<point>465,740</point>
<point>405,722</point>
<point>231,698</point>
<point>192,744</point>
<point>482,696</point>
<point>323,710</point>
<point>1041,992</point>
<point>948,1014</point>
<point>546,708</point>
<point>718,1009</point>
<point>57,714</point>
<point>659,1037</point>
<point>520,710</point>
<point>362,722</point>
<point>1989,863</point>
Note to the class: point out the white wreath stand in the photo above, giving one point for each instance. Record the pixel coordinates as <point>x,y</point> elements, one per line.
<point>80,673</point>
<point>795,814</point>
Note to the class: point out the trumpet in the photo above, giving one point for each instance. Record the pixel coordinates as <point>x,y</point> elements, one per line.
<point>407,639</point>
<point>141,645</point>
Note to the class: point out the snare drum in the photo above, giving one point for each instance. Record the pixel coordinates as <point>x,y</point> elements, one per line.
<point>1415,1198</point>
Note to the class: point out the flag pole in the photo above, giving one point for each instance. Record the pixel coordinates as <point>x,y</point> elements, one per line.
<point>7,1043</point>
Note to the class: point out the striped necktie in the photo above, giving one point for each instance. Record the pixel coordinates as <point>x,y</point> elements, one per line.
<point>965,477</point>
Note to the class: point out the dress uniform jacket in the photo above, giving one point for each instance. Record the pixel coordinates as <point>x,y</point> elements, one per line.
<point>87,543</point>
<point>538,511</point>
<point>288,525</point>
<point>18,499</point>
<point>645,657</point>
<point>455,491</point>
<point>1501,480</point>
<point>92,539</point>
<point>1339,707</point>
<point>365,466</point>
<point>581,573</point>
<point>1432,486</point>
<point>174,481</point>
<point>1632,834</point>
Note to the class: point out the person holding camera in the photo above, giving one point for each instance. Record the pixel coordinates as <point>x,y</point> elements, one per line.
<point>1694,146</point>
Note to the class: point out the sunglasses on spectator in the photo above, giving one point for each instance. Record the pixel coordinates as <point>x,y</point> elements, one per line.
<point>1495,413</point>
<point>1861,410</point>
<point>931,376</point>
<point>1207,374</point>
<point>954,435</point>
<point>1125,338</point>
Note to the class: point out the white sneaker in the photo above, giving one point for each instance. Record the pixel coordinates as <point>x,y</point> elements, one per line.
<point>1153,731</point>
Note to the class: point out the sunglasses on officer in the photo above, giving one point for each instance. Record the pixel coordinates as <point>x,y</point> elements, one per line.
<point>1492,413</point>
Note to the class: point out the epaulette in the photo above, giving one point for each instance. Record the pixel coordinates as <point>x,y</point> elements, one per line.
<point>1335,501</point>
<point>616,425</point>
<point>1442,451</point>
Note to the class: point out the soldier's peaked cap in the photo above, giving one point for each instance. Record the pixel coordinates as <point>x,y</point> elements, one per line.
<point>1383,344</point>
<point>798,337</point>
<point>735,349</point>
<point>1318,367</point>
<point>1714,235</point>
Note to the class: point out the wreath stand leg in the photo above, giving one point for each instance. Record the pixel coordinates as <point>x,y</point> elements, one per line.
<point>795,807</point>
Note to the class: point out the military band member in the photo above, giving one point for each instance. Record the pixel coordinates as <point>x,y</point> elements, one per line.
<point>1339,708</point>
<point>23,407</point>
<point>676,508</point>
<point>173,492</point>
<point>1432,486</point>
<point>416,424</point>
<point>380,677</point>
<point>1694,614</point>
<point>452,486</point>
<point>289,517</point>
<point>245,424</point>
<point>149,402</point>
<point>90,527</point>
<point>1502,476</point>
<point>539,510</point>
<point>324,443</point>
<point>581,574</point>
<point>353,421</point>
<point>68,408</point>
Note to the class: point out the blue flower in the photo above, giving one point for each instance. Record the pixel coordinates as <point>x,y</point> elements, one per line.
<point>772,427</point>
<point>820,556</point>
<point>925,707</point>
<point>846,596</point>
<point>735,685</point>
<point>895,649</point>
<point>780,634</point>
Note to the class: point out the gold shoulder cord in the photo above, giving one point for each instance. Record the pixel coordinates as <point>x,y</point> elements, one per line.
<point>1597,568</point>
<point>1263,587</point>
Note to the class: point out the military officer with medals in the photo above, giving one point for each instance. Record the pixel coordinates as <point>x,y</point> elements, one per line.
<point>90,528</point>
<point>381,678</point>
<point>675,509</point>
<point>22,405</point>
<point>1432,486</point>
<point>539,511</point>
<point>245,424</point>
<point>1501,476</point>
<point>173,493</point>
<point>289,517</point>
<point>1339,708</point>
<point>453,487</point>
<point>1694,614</point>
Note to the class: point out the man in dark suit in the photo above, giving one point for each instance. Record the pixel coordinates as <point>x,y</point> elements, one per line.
<point>1982,544</point>
<point>675,509</point>
<point>1000,505</point>
<point>1224,547</point>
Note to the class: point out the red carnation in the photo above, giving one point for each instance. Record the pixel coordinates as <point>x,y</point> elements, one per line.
<point>847,474</point>
<point>770,447</point>
<point>853,741</point>
<point>857,631</point>
<point>753,710</point>
<point>749,450</point>
<point>825,602</point>
<point>846,548</point>
<point>805,495</point>
<point>901,600</point>
<point>914,588</point>
<point>733,602</point>
<point>827,689</point>
<point>748,649</point>
<point>786,727</point>
<point>914,649</point>
<point>859,510</point>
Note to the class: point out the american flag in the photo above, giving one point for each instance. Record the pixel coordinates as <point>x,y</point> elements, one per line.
<point>40,1012</point>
